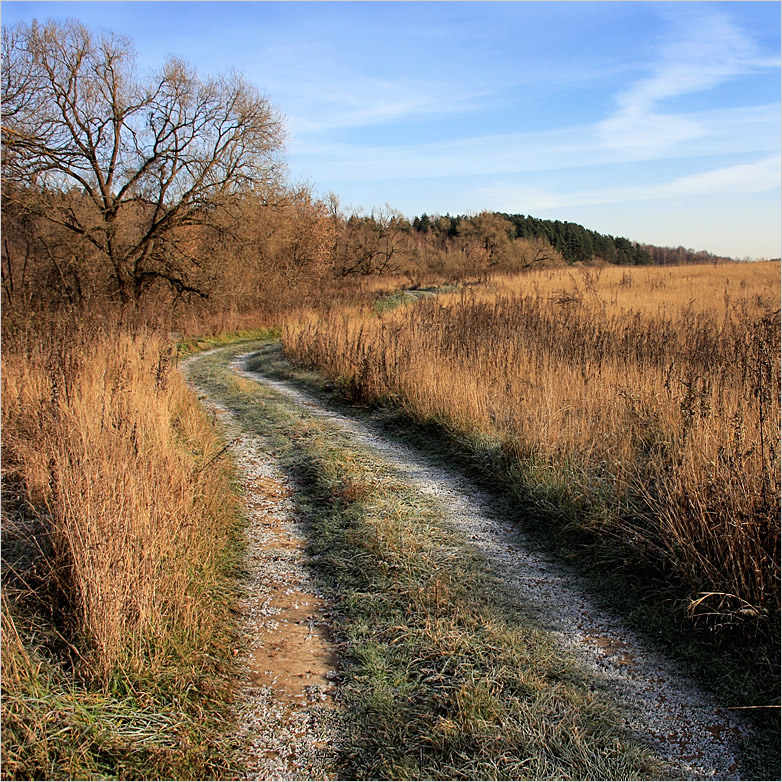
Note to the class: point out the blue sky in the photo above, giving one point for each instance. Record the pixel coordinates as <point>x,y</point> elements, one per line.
<point>656,121</point>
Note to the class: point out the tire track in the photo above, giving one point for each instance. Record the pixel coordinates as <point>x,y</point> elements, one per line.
<point>286,712</point>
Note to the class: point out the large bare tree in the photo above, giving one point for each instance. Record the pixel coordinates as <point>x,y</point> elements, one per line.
<point>127,165</point>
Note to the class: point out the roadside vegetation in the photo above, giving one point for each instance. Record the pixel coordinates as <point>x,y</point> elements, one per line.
<point>118,547</point>
<point>99,210</point>
<point>633,415</point>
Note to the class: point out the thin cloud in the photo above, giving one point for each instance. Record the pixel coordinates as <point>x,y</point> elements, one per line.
<point>757,177</point>
<point>748,178</point>
<point>733,131</point>
<point>377,102</point>
<point>366,101</point>
<point>705,51</point>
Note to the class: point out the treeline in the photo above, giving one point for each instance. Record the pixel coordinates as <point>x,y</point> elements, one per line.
<point>168,192</point>
<point>573,242</point>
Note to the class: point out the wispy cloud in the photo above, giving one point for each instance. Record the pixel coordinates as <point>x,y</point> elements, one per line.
<point>734,131</point>
<point>335,101</point>
<point>704,51</point>
<point>756,177</point>
<point>370,102</point>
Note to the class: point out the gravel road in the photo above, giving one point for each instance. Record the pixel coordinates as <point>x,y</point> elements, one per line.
<point>288,721</point>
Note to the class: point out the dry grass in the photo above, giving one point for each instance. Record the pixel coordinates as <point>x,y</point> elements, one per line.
<point>108,442</point>
<point>111,470</point>
<point>647,398</point>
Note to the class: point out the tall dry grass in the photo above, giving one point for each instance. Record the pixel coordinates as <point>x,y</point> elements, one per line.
<point>107,452</point>
<point>645,399</point>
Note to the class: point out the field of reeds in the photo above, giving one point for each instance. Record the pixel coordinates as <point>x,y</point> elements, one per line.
<point>635,409</point>
<point>118,530</point>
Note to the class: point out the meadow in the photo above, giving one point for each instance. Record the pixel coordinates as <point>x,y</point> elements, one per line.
<point>635,410</point>
<point>631,413</point>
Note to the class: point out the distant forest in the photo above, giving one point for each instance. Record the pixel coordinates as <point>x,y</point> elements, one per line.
<point>578,244</point>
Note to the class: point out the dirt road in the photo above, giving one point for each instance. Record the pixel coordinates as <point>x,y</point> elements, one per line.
<point>680,721</point>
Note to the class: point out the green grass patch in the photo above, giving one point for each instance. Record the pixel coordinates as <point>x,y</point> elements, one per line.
<point>56,726</point>
<point>410,296</point>
<point>172,721</point>
<point>188,346</point>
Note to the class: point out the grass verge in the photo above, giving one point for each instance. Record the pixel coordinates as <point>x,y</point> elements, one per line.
<point>119,545</point>
<point>443,679</point>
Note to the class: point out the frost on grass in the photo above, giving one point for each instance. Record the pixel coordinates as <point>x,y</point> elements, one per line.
<point>286,708</point>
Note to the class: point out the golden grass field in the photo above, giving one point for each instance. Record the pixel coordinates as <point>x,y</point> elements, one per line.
<point>118,521</point>
<point>112,448</point>
<point>646,397</point>
<point>643,401</point>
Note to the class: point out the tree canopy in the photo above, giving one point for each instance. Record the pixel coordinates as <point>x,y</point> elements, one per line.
<point>124,165</point>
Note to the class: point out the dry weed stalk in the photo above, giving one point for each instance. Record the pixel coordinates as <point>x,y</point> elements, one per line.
<point>653,393</point>
<point>107,443</point>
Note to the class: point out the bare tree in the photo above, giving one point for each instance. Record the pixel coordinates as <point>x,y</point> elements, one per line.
<point>488,238</point>
<point>124,165</point>
<point>363,245</point>
<point>534,251</point>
